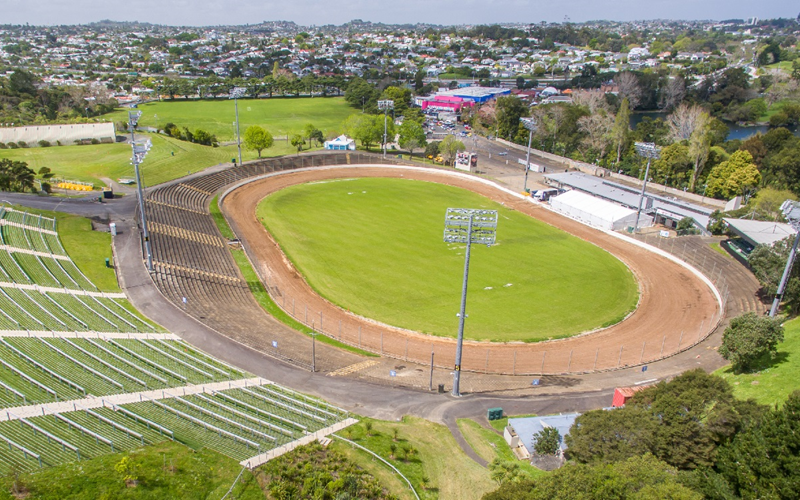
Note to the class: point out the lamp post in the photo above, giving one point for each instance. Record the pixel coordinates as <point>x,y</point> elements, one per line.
<point>236,94</point>
<point>385,105</point>
<point>467,225</point>
<point>791,210</point>
<point>530,124</point>
<point>645,150</point>
<point>139,152</point>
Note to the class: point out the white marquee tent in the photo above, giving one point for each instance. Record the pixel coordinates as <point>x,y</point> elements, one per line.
<point>596,212</point>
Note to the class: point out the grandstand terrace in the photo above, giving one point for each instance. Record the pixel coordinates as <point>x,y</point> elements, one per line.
<point>192,260</point>
<point>82,376</point>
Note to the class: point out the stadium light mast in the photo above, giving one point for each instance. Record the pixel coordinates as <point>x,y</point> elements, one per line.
<point>791,210</point>
<point>467,225</point>
<point>650,151</point>
<point>139,152</point>
<point>385,105</point>
<point>531,125</point>
<point>236,94</point>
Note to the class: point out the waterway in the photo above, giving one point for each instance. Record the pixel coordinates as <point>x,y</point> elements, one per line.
<point>736,131</point>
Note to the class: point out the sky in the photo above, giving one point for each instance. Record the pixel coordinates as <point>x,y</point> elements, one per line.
<point>444,12</point>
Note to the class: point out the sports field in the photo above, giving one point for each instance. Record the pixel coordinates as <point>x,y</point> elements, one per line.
<point>374,246</point>
<point>90,163</point>
<point>279,116</point>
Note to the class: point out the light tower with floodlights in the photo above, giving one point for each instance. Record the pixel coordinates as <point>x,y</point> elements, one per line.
<point>467,225</point>
<point>139,152</point>
<point>650,151</point>
<point>236,94</point>
<point>791,210</point>
<point>531,125</point>
<point>385,106</point>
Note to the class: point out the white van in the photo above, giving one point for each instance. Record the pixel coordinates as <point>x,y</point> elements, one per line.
<point>544,194</point>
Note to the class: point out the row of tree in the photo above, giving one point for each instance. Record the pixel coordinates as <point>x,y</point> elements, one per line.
<point>684,439</point>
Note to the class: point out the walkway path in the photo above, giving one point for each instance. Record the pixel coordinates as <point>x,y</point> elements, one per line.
<point>127,398</point>
<point>89,335</point>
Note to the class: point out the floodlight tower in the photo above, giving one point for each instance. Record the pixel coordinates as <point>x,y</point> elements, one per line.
<point>467,225</point>
<point>650,151</point>
<point>385,105</point>
<point>236,94</point>
<point>531,125</point>
<point>791,210</point>
<point>139,152</point>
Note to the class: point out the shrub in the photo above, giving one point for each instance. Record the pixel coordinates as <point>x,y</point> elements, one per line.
<point>748,338</point>
<point>22,144</point>
<point>44,144</point>
<point>12,145</point>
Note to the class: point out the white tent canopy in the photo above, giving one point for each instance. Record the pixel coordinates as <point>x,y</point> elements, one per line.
<point>596,212</point>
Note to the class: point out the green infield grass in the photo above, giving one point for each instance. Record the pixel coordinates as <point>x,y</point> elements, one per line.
<point>280,116</point>
<point>772,380</point>
<point>374,246</point>
<point>167,160</point>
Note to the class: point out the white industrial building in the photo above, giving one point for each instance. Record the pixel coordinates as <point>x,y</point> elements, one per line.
<point>597,212</point>
<point>66,135</point>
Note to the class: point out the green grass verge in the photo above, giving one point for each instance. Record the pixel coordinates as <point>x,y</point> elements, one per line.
<point>451,473</point>
<point>188,474</point>
<point>374,246</point>
<point>283,116</point>
<point>490,445</point>
<point>260,293</point>
<point>773,380</point>
<point>168,159</point>
<point>718,248</point>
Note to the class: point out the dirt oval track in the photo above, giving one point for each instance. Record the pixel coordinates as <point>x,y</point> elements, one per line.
<point>676,310</point>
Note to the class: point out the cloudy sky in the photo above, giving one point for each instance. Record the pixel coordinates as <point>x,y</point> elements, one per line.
<point>316,12</point>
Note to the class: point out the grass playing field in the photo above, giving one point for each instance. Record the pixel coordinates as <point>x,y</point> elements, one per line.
<point>279,116</point>
<point>374,246</point>
<point>90,163</point>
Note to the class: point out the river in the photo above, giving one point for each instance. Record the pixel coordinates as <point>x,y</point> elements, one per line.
<point>736,131</point>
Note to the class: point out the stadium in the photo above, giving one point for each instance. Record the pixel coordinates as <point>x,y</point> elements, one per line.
<point>86,372</point>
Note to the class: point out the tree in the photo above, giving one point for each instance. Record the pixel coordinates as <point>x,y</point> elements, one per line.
<point>699,147</point>
<point>629,87</point>
<point>759,462</point>
<point>503,471</point>
<point>412,136</point>
<point>509,110</point>
<point>547,441</point>
<point>685,120</point>
<point>450,147</point>
<point>619,132</point>
<point>733,176</point>
<point>611,436</point>
<point>257,138</point>
<point>597,127</point>
<point>674,92</point>
<point>312,133</point>
<point>432,149</point>
<point>366,128</point>
<point>637,478</point>
<point>748,338</point>
<point>298,142</point>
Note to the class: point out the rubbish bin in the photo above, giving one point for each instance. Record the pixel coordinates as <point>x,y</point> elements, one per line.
<point>108,262</point>
<point>441,388</point>
<point>113,228</point>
